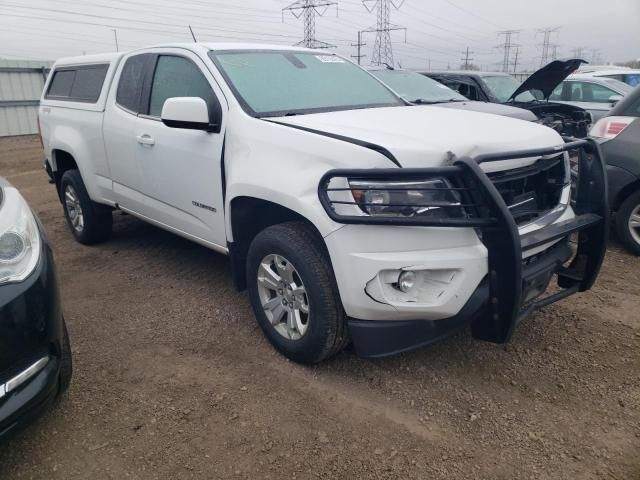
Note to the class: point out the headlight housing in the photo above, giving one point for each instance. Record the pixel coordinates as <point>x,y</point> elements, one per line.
<point>19,237</point>
<point>433,197</point>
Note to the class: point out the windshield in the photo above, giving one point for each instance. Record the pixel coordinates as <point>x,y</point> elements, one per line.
<point>272,83</point>
<point>414,87</point>
<point>503,86</point>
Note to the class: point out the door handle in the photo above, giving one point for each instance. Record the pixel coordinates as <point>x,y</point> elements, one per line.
<point>146,140</point>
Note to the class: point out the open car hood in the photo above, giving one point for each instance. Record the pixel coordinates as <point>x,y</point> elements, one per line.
<point>549,77</point>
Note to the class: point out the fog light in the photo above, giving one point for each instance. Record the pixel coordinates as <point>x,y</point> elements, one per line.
<point>406,281</point>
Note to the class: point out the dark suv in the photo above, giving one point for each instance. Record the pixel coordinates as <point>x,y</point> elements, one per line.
<point>35,357</point>
<point>619,135</point>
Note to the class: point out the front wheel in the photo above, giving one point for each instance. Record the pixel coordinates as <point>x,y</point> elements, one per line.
<point>628,223</point>
<point>89,222</point>
<point>294,294</point>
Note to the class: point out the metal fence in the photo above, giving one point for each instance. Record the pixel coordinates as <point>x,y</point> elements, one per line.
<point>21,84</point>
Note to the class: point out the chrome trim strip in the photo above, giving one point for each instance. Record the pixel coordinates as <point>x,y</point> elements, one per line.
<point>22,377</point>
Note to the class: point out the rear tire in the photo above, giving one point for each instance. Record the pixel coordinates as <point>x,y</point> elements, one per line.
<point>89,222</point>
<point>299,247</point>
<point>628,223</point>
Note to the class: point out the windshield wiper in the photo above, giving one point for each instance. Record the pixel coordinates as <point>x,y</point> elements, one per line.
<point>422,101</point>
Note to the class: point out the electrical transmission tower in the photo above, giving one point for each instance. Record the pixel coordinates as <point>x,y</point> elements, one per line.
<point>508,45</point>
<point>382,48</point>
<point>309,9</point>
<point>554,51</point>
<point>546,44</point>
<point>578,52</point>
<point>466,61</point>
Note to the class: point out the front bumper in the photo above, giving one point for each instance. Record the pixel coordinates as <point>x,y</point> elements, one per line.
<point>501,282</point>
<point>31,330</point>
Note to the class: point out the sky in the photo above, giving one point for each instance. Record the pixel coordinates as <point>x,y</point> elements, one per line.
<point>437,31</point>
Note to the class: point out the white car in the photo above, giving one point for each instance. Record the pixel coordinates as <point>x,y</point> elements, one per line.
<point>622,74</point>
<point>347,213</point>
<point>597,95</point>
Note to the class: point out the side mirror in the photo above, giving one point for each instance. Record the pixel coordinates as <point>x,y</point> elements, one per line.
<point>190,113</point>
<point>614,99</point>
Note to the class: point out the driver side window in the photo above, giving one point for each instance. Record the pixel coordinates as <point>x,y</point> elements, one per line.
<point>178,77</point>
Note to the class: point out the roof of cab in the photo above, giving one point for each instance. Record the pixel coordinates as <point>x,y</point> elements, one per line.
<point>218,46</point>
<point>89,59</point>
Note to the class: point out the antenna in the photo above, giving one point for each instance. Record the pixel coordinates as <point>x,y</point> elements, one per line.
<point>309,9</point>
<point>192,34</point>
<point>115,35</point>
<point>382,48</point>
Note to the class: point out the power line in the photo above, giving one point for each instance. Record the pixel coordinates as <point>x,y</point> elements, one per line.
<point>507,46</point>
<point>382,48</point>
<point>309,9</point>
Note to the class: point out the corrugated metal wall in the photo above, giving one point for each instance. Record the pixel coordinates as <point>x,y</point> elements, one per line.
<point>21,84</point>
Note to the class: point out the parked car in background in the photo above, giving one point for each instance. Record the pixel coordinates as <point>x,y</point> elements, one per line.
<point>622,74</point>
<point>347,213</point>
<point>597,95</point>
<point>422,90</point>
<point>619,136</point>
<point>532,94</point>
<point>35,357</point>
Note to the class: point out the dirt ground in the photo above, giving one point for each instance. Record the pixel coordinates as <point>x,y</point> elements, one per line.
<point>174,380</point>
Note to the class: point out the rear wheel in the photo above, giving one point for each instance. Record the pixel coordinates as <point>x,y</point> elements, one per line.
<point>294,294</point>
<point>628,223</point>
<point>89,222</point>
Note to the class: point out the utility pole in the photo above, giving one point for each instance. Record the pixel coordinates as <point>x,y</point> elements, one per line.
<point>309,9</point>
<point>554,51</point>
<point>382,48</point>
<point>115,35</point>
<point>507,46</point>
<point>359,56</point>
<point>466,60</point>
<point>192,34</point>
<point>546,43</point>
<point>515,62</point>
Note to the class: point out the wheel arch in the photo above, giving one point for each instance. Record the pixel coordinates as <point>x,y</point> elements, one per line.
<point>624,193</point>
<point>248,217</point>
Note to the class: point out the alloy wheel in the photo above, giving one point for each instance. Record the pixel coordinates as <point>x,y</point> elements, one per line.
<point>74,210</point>
<point>283,297</point>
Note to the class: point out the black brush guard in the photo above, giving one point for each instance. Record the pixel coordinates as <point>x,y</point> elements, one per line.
<point>487,212</point>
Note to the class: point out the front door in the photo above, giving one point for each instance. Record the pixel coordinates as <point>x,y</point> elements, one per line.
<point>182,168</point>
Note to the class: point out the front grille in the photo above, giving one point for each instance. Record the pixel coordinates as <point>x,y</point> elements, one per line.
<point>531,192</point>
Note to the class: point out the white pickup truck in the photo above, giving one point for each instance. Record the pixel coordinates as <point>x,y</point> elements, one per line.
<point>348,214</point>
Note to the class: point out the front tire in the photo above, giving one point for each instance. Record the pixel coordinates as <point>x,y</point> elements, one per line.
<point>294,294</point>
<point>89,222</point>
<point>628,223</point>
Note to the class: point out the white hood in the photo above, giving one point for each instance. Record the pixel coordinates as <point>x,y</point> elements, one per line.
<point>425,136</point>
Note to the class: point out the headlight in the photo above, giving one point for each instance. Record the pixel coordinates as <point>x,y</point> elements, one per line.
<point>19,237</point>
<point>433,197</point>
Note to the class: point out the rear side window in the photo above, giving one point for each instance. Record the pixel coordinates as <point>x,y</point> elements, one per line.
<point>130,85</point>
<point>78,84</point>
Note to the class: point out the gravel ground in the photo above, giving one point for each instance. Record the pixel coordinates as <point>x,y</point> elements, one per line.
<point>174,380</point>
